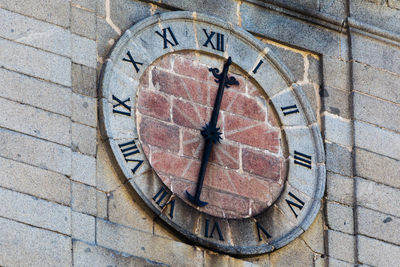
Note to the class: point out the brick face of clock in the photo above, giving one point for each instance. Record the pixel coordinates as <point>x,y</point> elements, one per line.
<point>175,100</point>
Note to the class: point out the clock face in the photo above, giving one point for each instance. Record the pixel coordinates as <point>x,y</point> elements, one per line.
<point>212,132</point>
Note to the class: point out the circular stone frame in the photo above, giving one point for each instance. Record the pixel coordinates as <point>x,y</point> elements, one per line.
<point>296,207</point>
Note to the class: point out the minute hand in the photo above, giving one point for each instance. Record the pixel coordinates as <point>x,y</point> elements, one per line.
<point>210,132</point>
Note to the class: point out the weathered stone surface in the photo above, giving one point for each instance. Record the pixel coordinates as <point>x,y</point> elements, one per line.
<point>84,110</point>
<point>341,246</point>
<point>124,210</point>
<point>84,80</point>
<point>379,112</point>
<point>314,235</point>
<point>378,225</point>
<point>83,227</point>
<point>34,211</point>
<point>42,124</point>
<point>101,204</point>
<point>336,73</point>
<point>35,33</point>
<point>213,259</point>
<point>376,82</point>
<point>84,139</point>
<point>338,159</point>
<point>56,11</point>
<point>296,251</point>
<point>376,139</point>
<point>83,23</point>
<point>107,178</point>
<point>24,245</point>
<point>35,62</point>
<point>143,244</point>
<point>41,153</point>
<point>106,37</point>
<point>89,255</point>
<point>83,168</point>
<point>34,181</point>
<point>47,96</point>
<point>336,8</point>
<point>337,130</point>
<point>336,101</point>
<point>383,170</point>
<point>83,198</point>
<point>86,4</point>
<point>377,253</point>
<point>338,263</point>
<point>84,51</point>
<point>339,188</point>
<point>394,4</point>
<point>124,14</point>
<point>378,197</point>
<point>340,217</point>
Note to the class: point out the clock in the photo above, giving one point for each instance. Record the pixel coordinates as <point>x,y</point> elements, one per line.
<point>213,133</point>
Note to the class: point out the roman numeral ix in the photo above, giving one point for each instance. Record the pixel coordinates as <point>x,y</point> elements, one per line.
<point>167,41</point>
<point>299,203</point>
<point>131,60</point>
<point>219,40</point>
<point>289,110</point>
<point>215,227</point>
<point>124,108</point>
<point>159,197</point>
<point>302,159</point>
<point>128,149</point>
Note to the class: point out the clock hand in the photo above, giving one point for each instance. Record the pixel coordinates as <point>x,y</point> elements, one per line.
<point>210,132</point>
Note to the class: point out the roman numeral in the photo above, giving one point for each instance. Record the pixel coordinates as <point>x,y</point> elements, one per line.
<point>289,110</point>
<point>159,197</point>
<point>123,104</point>
<point>215,227</point>
<point>302,159</point>
<point>299,204</point>
<point>258,65</point>
<point>220,45</point>
<point>131,60</point>
<point>259,227</point>
<point>167,41</point>
<point>128,149</point>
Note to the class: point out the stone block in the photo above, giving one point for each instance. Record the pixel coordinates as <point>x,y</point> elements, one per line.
<point>83,227</point>
<point>313,73</point>
<point>146,245</point>
<point>296,251</point>
<point>338,159</point>
<point>106,37</point>
<point>378,197</point>
<point>378,225</point>
<point>341,246</point>
<point>47,96</point>
<point>340,217</point>
<point>84,51</point>
<point>56,11</point>
<point>25,245</point>
<point>213,259</point>
<point>337,129</point>
<point>379,112</point>
<point>383,170</point>
<point>35,62</point>
<point>35,181</point>
<point>394,4</point>
<point>376,139</point>
<point>314,235</point>
<point>375,53</point>
<point>125,14</point>
<point>39,34</point>
<point>84,110</point>
<point>86,4</point>
<point>86,255</point>
<point>377,253</point>
<point>84,139</point>
<point>83,169</point>
<point>43,154</point>
<point>42,124</point>
<point>376,82</point>
<point>83,23</point>
<point>339,188</point>
<point>84,80</point>
<point>102,204</point>
<point>123,210</point>
<point>34,211</point>
<point>335,8</point>
<point>83,198</point>
<point>338,263</point>
<point>336,101</point>
<point>336,73</point>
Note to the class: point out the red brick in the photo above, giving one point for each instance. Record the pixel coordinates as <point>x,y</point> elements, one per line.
<point>259,206</point>
<point>238,206</point>
<point>164,62</point>
<point>237,103</point>
<point>250,132</point>
<point>251,187</point>
<point>186,88</point>
<point>262,164</point>
<point>189,115</point>
<point>272,117</point>
<point>223,153</point>
<point>160,134</point>
<point>191,69</point>
<point>253,89</point>
<point>153,104</point>
<point>144,79</point>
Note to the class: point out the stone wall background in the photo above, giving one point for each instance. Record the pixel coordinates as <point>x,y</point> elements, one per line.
<point>63,202</point>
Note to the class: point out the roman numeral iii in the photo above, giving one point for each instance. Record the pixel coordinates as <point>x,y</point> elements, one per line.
<point>302,159</point>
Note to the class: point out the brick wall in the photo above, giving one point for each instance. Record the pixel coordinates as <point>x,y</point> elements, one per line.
<point>63,201</point>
